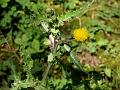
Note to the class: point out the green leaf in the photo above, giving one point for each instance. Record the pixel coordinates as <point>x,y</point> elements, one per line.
<point>107,72</point>
<point>67,47</point>
<point>109,29</point>
<point>18,41</point>
<point>78,12</point>
<point>23,2</point>
<point>2,40</point>
<point>75,60</point>
<point>46,41</point>
<point>4,3</point>
<point>92,47</point>
<point>25,38</point>
<point>54,31</point>
<point>36,45</point>
<point>50,57</point>
<point>6,21</point>
<point>102,42</point>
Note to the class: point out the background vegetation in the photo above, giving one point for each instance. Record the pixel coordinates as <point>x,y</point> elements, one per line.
<point>38,51</point>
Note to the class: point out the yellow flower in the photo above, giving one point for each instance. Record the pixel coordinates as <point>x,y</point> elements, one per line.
<point>80,34</point>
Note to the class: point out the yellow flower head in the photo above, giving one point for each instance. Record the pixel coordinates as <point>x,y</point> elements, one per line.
<point>80,34</point>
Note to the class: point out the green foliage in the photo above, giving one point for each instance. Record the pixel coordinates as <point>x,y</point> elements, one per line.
<point>4,3</point>
<point>76,13</point>
<point>37,51</point>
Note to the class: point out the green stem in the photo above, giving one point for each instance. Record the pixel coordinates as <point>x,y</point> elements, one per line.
<point>46,72</point>
<point>49,64</point>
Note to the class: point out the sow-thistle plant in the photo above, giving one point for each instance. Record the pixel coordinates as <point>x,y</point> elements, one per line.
<point>80,34</point>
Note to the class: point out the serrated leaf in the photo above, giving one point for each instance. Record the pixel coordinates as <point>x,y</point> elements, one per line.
<point>78,12</point>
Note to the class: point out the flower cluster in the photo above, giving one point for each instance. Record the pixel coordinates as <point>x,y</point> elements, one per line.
<point>80,34</point>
